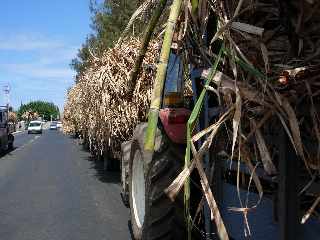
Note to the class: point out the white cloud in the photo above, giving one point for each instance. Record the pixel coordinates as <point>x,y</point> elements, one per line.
<point>64,54</point>
<point>37,66</point>
<point>28,42</point>
<point>46,57</point>
<point>37,70</point>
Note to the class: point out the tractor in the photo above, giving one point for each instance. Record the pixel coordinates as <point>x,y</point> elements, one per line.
<point>156,155</point>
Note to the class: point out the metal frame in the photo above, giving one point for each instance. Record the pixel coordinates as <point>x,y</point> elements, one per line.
<point>288,207</point>
<point>204,121</point>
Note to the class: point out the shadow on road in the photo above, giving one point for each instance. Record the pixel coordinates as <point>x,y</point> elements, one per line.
<point>98,165</point>
<point>102,174</point>
<point>7,152</point>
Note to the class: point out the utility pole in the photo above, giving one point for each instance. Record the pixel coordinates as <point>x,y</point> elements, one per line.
<point>6,90</point>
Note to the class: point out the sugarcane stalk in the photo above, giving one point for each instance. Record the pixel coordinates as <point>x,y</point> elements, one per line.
<point>194,4</point>
<point>145,43</point>
<point>160,77</point>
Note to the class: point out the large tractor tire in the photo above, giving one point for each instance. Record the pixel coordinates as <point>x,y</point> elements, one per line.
<point>153,214</point>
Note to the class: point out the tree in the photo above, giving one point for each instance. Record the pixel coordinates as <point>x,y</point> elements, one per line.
<point>109,19</point>
<point>38,108</point>
<point>82,61</point>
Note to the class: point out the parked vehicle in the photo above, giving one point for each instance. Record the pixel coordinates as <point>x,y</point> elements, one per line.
<point>35,127</point>
<point>6,130</point>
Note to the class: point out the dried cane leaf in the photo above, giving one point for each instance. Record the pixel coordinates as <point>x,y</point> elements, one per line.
<point>310,211</point>
<point>215,213</point>
<point>236,120</point>
<point>247,28</point>
<point>264,154</point>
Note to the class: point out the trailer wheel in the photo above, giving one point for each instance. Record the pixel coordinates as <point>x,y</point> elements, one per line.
<point>153,214</point>
<point>109,162</point>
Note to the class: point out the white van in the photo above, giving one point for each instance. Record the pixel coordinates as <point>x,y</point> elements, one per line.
<point>35,127</point>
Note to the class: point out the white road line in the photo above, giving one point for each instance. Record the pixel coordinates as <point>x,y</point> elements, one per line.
<point>32,140</point>
<point>28,143</point>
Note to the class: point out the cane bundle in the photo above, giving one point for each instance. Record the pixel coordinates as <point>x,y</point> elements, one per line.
<point>100,106</point>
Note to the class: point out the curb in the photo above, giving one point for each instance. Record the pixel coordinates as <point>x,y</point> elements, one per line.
<point>15,133</point>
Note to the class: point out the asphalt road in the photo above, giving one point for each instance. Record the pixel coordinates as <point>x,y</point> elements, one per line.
<point>50,189</point>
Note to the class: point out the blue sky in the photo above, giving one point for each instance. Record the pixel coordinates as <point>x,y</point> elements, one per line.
<point>38,39</point>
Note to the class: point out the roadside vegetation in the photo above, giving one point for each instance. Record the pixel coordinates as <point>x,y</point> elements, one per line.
<point>109,19</point>
<point>35,109</point>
